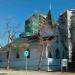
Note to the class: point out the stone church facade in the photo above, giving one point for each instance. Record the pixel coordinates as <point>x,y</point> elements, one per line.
<point>41,37</point>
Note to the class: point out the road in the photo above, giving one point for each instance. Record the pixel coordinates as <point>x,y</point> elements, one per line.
<point>22,72</point>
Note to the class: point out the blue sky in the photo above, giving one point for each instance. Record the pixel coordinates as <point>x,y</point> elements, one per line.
<point>17,11</point>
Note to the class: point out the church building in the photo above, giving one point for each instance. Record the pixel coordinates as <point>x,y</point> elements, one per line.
<point>41,39</point>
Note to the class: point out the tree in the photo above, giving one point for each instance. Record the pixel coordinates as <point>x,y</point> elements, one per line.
<point>45,37</point>
<point>11,31</point>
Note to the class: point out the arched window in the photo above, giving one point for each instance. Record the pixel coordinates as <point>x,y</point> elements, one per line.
<point>64,55</point>
<point>7,55</point>
<point>17,55</point>
<point>57,54</point>
<point>49,55</point>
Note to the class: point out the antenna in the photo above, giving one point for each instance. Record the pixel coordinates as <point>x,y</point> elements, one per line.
<point>50,6</point>
<point>35,11</point>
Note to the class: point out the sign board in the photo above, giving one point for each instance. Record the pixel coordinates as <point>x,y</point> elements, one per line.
<point>26,53</point>
<point>64,62</point>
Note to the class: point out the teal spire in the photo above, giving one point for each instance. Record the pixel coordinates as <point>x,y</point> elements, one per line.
<point>49,18</point>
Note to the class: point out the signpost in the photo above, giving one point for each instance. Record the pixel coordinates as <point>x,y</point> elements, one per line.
<point>26,54</point>
<point>64,64</point>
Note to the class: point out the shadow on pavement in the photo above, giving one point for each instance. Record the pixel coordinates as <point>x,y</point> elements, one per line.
<point>3,73</point>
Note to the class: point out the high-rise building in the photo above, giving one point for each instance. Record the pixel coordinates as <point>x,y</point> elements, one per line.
<point>67,32</point>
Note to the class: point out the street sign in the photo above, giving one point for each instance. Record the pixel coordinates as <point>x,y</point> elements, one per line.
<point>64,62</point>
<point>26,53</point>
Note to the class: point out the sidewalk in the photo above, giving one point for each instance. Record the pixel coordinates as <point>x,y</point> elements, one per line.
<point>22,72</point>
